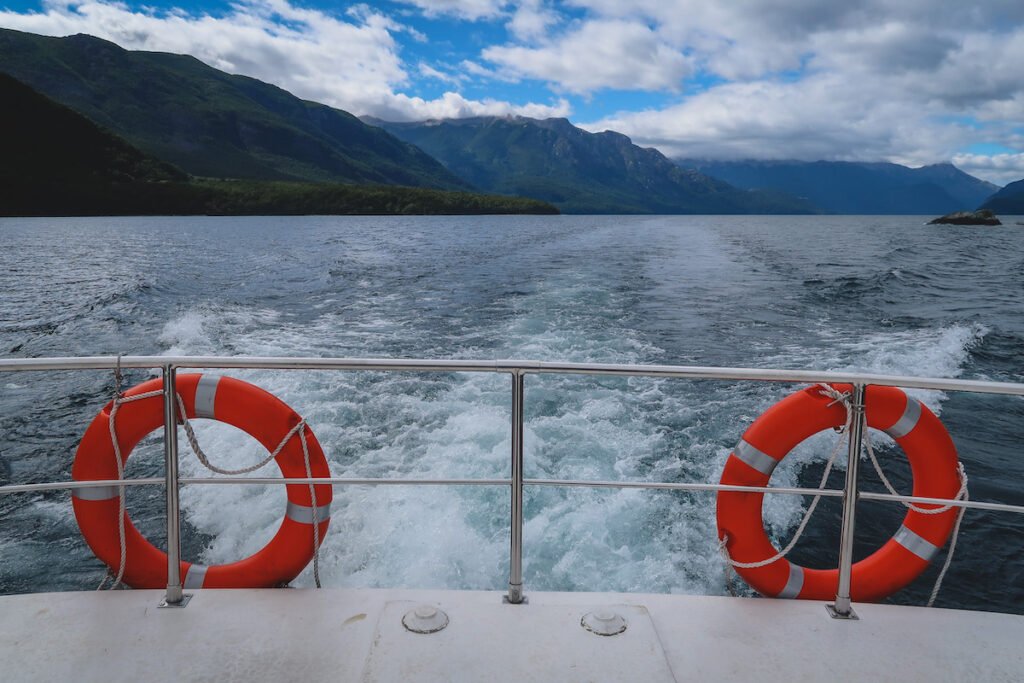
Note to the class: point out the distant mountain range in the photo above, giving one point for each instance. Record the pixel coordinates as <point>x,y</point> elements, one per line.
<point>213,124</point>
<point>112,130</point>
<point>578,171</point>
<point>1009,200</point>
<point>852,188</point>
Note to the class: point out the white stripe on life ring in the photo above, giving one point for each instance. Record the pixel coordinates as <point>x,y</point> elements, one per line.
<point>94,492</point>
<point>907,422</point>
<point>195,576</point>
<point>759,460</point>
<point>794,584</point>
<point>206,394</point>
<point>921,547</point>
<point>303,514</point>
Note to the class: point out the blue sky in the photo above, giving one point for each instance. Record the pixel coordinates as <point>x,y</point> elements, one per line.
<point>915,82</point>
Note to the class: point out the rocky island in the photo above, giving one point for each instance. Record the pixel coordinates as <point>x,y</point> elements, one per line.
<point>981,217</point>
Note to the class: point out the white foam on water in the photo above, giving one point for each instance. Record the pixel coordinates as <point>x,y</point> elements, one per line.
<point>939,352</point>
<point>202,329</point>
<point>437,426</point>
<point>240,519</point>
<point>921,353</point>
<point>457,425</point>
<point>370,425</point>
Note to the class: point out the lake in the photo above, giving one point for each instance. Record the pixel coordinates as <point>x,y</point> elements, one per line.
<point>852,293</point>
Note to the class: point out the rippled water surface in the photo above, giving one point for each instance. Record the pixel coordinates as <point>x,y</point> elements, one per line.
<point>880,294</point>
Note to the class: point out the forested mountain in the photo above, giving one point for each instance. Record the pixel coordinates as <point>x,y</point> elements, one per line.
<point>210,123</point>
<point>578,171</point>
<point>178,116</point>
<point>44,140</point>
<point>55,162</point>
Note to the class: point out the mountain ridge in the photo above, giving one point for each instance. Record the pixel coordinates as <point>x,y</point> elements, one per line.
<point>74,150</point>
<point>62,164</point>
<point>210,123</point>
<point>217,125</point>
<point>578,171</point>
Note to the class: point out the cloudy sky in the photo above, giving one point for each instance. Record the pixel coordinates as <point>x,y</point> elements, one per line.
<point>910,81</point>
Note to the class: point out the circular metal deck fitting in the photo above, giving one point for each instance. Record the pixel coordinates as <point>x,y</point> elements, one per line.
<point>603,622</point>
<point>425,619</point>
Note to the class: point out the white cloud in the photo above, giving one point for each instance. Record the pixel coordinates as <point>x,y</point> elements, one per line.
<point>352,63</point>
<point>430,72</point>
<point>598,55</point>
<point>913,81</point>
<point>985,68</point>
<point>1010,109</point>
<point>816,118</point>
<point>997,168</point>
<point>454,106</point>
<point>862,79</point>
<point>474,69</point>
<point>525,19</point>
<point>888,46</point>
<point>532,19</point>
<point>465,9</point>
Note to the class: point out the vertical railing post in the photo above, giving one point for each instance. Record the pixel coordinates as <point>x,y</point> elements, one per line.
<point>843,609</point>
<point>515,560</point>
<point>175,596</point>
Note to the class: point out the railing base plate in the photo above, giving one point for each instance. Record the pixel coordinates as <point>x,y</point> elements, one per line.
<point>836,614</point>
<point>184,601</point>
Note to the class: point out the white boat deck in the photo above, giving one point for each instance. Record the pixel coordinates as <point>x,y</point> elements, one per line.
<point>357,635</point>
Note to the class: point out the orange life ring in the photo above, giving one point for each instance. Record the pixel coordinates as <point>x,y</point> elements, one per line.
<point>258,413</point>
<point>933,464</point>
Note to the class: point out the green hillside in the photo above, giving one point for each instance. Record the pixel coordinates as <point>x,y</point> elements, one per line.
<point>46,142</point>
<point>55,162</point>
<point>209,123</point>
<point>578,171</point>
<point>52,159</point>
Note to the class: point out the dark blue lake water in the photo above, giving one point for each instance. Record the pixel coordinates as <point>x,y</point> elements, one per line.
<point>880,294</point>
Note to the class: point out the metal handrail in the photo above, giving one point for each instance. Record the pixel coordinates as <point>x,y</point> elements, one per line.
<point>526,367</point>
<point>566,483</point>
<point>517,370</point>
